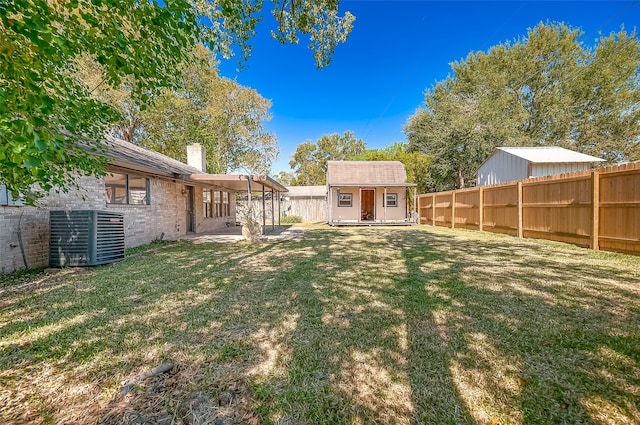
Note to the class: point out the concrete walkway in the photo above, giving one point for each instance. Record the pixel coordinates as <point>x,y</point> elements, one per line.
<point>234,234</point>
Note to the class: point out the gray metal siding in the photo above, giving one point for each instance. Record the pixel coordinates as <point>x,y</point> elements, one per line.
<point>502,167</point>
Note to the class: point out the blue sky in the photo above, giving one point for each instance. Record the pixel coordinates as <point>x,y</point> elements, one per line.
<point>396,51</point>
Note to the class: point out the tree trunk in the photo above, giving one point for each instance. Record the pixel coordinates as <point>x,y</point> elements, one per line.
<point>460,179</point>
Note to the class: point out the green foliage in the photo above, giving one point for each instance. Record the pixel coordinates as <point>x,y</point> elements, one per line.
<point>45,112</point>
<point>309,161</point>
<point>285,178</point>
<point>290,219</point>
<point>220,114</point>
<point>49,121</point>
<point>547,89</point>
<point>416,163</point>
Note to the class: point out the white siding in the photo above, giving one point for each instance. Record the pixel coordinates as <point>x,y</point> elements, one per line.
<point>502,167</point>
<point>539,170</point>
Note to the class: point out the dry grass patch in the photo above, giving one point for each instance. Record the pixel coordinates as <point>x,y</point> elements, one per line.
<point>348,325</point>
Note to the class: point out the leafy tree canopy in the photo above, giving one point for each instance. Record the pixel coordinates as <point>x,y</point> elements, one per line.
<point>416,163</point>
<point>48,119</point>
<point>547,89</point>
<point>220,114</point>
<point>309,161</point>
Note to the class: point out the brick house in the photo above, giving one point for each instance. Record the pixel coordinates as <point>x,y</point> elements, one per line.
<point>159,197</point>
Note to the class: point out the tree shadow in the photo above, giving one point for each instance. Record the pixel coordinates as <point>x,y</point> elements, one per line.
<point>529,337</point>
<point>390,325</point>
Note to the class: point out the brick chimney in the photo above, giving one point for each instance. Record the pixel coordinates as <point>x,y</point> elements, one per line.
<point>196,157</point>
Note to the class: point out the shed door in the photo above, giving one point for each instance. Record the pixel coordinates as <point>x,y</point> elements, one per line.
<point>368,204</point>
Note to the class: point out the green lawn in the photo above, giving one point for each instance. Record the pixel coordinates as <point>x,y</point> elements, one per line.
<point>346,326</point>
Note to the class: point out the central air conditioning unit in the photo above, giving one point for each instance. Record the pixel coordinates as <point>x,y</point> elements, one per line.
<point>85,238</point>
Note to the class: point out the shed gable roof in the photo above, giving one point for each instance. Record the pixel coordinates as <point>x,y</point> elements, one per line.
<point>366,173</point>
<point>548,154</point>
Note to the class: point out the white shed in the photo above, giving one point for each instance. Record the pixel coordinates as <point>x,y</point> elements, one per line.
<point>507,164</point>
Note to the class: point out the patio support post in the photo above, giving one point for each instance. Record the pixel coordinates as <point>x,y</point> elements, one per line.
<point>360,205</point>
<point>264,218</point>
<point>415,204</point>
<point>273,216</point>
<point>249,191</point>
<point>384,202</point>
<point>329,205</point>
<point>279,206</point>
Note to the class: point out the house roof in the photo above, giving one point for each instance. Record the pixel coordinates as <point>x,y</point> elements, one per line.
<point>366,173</point>
<point>129,156</point>
<point>300,191</point>
<point>549,154</point>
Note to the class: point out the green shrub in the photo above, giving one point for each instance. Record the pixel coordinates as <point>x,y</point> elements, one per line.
<point>289,219</point>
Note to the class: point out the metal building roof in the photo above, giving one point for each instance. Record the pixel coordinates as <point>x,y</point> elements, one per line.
<point>549,154</point>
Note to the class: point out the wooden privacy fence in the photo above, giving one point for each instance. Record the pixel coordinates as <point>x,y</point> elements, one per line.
<point>599,209</point>
<point>311,209</point>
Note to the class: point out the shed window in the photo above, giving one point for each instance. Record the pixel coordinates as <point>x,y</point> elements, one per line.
<point>207,202</point>
<point>345,199</point>
<point>391,200</point>
<point>126,189</point>
<point>7,198</point>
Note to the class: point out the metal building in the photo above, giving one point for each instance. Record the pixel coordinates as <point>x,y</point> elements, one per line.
<point>507,164</point>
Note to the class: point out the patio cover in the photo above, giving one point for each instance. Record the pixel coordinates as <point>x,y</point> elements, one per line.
<point>239,182</point>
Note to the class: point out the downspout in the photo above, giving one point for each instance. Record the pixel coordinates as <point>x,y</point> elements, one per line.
<point>24,256</point>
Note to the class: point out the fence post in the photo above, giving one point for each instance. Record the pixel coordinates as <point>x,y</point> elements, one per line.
<point>433,210</point>
<point>595,201</point>
<point>520,232</point>
<point>453,209</point>
<point>480,208</point>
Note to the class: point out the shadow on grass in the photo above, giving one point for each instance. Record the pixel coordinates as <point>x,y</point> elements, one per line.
<point>378,325</point>
<point>529,337</point>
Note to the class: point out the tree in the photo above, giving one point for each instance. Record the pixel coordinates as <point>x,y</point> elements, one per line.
<point>416,164</point>
<point>309,162</point>
<point>285,178</point>
<point>49,121</point>
<point>220,114</point>
<point>545,89</point>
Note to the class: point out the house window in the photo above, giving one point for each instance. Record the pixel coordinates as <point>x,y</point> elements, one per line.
<point>226,207</point>
<point>207,202</point>
<point>391,200</point>
<point>6,198</point>
<point>345,199</point>
<point>126,189</point>
<point>217,202</point>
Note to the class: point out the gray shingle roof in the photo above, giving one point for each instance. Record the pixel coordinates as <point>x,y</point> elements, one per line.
<point>128,153</point>
<point>359,173</point>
